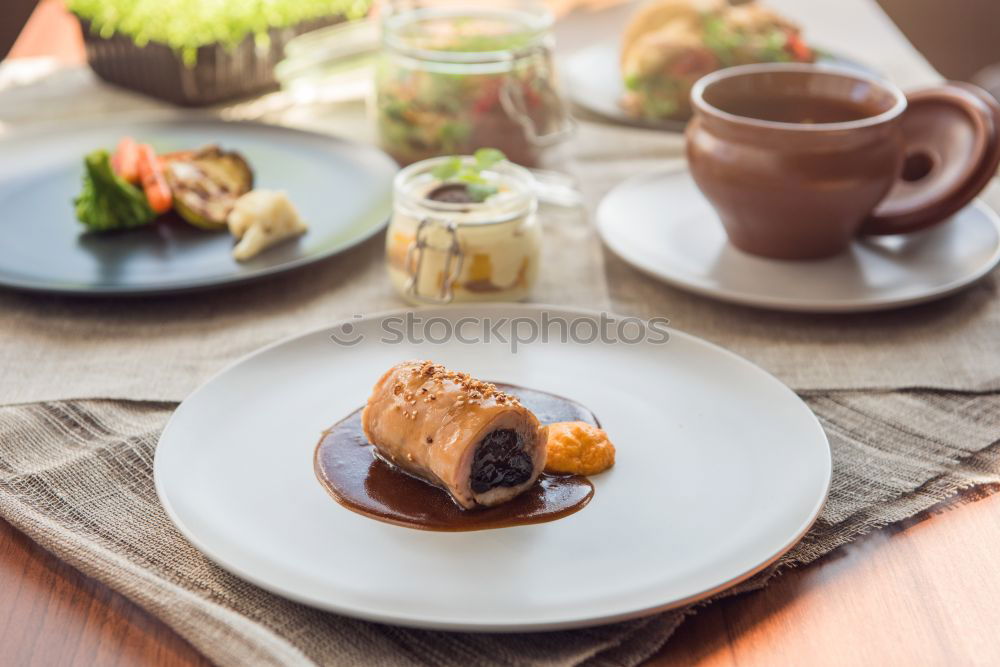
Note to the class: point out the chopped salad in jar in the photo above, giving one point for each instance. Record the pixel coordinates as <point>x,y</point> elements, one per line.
<point>451,81</point>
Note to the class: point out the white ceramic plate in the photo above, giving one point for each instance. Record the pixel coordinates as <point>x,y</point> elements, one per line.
<point>661,224</point>
<point>593,81</point>
<point>720,470</point>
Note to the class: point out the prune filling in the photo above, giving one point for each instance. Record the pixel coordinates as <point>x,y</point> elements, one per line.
<point>452,193</point>
<point>500,460</point>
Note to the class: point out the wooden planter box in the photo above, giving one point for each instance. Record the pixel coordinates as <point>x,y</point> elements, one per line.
<point>219,74</point>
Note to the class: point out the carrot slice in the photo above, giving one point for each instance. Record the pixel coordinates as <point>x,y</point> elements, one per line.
<point>125,160</point>
<point>798,48</point>
<point>154,183</point>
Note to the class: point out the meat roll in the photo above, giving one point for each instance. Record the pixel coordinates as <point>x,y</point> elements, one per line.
<point>464,435</point>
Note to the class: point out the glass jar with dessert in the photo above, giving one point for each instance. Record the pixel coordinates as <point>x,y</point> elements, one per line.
<point>464,228</point>
<point>453,78</point>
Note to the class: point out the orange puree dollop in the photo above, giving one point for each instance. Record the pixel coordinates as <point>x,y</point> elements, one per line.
<point>578,448</point>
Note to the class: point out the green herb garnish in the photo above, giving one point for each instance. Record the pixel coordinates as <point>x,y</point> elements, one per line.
<point>457,170</point>
<point>487,157</point>
<point>721,39</point>
<point>107,201</point>
<point>774,47</point>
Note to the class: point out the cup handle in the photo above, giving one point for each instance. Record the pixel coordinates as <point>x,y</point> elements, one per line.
<point>948,159</point>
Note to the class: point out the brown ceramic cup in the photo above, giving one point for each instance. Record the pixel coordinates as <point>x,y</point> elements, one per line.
<point>799,159</point>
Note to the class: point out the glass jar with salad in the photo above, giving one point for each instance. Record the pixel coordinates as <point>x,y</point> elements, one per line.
<point>464,228</point>
<point>455,78</point>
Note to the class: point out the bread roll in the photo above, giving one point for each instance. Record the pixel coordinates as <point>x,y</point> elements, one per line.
<point>656,15</point>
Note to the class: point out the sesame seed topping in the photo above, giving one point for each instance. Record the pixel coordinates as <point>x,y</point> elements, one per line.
<point>430,377</point>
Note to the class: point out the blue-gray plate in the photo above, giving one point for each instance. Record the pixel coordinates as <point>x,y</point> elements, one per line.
<point>341,189</point>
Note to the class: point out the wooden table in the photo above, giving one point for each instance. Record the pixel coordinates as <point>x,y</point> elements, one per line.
<point>920,594</point>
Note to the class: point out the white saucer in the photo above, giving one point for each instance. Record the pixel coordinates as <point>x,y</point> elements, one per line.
<point>661,224</point>
<point>720,469</point>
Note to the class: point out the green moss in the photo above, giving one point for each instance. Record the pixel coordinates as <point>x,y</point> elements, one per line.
<point>185,25</point>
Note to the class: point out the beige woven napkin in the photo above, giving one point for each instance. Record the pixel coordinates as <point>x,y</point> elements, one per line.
<point>76,476</point>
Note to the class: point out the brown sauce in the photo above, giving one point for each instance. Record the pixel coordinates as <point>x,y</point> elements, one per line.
<point>796,108</point>
<point>347,467</point>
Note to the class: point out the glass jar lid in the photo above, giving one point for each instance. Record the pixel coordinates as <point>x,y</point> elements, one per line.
<point>514,199</point>
<point>463,34</point>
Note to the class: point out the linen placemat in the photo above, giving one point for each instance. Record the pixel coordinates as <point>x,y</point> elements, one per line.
<point>76,476</point>
<point>162,348</point>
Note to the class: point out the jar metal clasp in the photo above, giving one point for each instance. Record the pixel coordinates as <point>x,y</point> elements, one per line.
<point>515,106</point>
<point>416,256</point>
